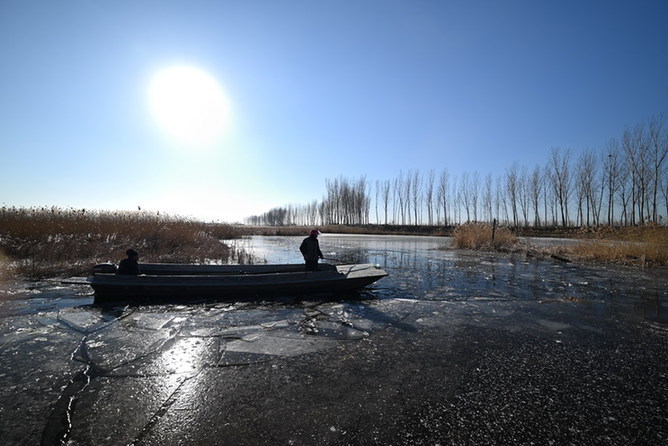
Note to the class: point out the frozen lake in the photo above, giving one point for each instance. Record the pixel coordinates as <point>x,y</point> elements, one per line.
<point>453,347</point>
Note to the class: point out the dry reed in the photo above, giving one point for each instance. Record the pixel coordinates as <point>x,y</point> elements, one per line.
<point>643,246</point>
<point>4,266</point>
<point>39,242</point>
<point>478,236</point>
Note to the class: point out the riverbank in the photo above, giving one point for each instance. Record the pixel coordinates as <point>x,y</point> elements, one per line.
<point>590,232</point>
<point>641,246</point>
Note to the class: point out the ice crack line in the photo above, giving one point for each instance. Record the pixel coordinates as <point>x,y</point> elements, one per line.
<point>180,390</point>
<point>59,424</point>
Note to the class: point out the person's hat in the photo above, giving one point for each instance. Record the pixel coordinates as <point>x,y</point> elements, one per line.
<point>315,232</point>
<point>131,253</point>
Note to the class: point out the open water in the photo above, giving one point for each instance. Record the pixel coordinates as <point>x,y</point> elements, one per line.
<point>453,347</point>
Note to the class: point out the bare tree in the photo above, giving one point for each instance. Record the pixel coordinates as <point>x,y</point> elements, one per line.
<point>475,192</point>
<point>464,194</point>
<point>535,190</point>
<point>401,200</point>
<point>611,169</point>
<point>487,199</point>
<point>624,192</point>
<point>407,196</point>
<point>597,190</point>
<point>636,149</point>
<point>385,193</point>
<point>377,201</point>
<point>658,147</point>
<point>586,187</point>
<point>456,195</point>
<point>523,194</point>
<point>548,199</point>
<point>560,179</point>
<point>429,196</point>
<point>312,213</point>
<point>443,193</point>
<point>512,191</point>
<point>501,200</point>
<point>416,194</point>
<point>347,202</point>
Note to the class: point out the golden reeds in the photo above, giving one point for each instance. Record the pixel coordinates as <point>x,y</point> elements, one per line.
<point>51,241</point>
<point>4,266</point>
<point>641,245</point>
<point>478,236</point>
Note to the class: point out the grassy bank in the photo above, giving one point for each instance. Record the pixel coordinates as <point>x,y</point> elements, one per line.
<point>641,246</point>
<point>42,242</point>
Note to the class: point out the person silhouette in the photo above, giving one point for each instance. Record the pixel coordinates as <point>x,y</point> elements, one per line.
<point>310,249</point>
<point>130,265</point>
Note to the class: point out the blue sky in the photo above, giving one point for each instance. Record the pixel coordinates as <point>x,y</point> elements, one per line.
<point>314,90</point>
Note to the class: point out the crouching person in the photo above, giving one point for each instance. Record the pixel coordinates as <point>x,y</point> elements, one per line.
<point>130,265</point>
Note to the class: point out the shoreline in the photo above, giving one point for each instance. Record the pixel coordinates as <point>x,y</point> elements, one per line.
<point>51,244</point>
<point>553,232</point>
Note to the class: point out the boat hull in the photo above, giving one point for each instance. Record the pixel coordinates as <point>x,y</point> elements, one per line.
<point>230,284</point>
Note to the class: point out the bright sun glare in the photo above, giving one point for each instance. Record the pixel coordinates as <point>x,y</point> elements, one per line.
<point>188,104</point>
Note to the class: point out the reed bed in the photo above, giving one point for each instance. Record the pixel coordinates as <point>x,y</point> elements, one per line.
<point>478,236</point>
<point>42,242</point>
<point>641,245</point>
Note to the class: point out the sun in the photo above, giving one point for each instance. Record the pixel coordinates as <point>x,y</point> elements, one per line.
<point>189,105</point>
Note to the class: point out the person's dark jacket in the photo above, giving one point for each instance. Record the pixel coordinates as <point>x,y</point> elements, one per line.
<point>128,267</point>
<point>310,248</point>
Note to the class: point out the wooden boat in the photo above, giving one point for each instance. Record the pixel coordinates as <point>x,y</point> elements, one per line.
<point>184,282</point>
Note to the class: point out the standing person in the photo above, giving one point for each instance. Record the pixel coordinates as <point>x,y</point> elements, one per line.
<point>310,249</point>
<point>129,266</point>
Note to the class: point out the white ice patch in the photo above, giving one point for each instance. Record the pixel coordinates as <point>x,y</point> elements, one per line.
<point>266,344</point>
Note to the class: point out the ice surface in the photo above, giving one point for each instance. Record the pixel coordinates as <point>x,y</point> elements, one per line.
<point>422,347</point>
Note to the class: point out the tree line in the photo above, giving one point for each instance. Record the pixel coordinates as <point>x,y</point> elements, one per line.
<point>623,183</point>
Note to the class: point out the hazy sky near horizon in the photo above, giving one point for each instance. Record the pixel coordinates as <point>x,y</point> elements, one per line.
<point>224,109</point>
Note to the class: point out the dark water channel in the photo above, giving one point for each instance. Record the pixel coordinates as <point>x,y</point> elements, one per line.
<point>453,347</point>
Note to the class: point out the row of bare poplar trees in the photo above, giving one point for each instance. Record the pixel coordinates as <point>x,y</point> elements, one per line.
<point>624,183</point>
